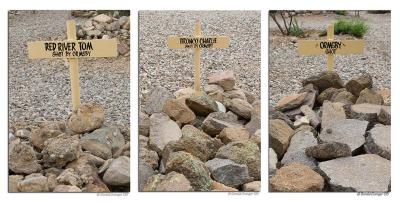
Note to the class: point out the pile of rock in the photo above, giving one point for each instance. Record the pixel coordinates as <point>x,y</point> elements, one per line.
<point>331,137</point>
<point>79,155</point>
<point>106,27</point>
<point>200,141</point>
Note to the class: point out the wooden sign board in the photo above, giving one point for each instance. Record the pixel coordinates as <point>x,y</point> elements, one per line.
<point>73,49</point>
<point>175,42</point>
<point>330,47</point>
<point>197,42</point>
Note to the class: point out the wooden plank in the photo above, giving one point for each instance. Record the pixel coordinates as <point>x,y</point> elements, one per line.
<point>74,69</point>
<point>197,63</point>
<point>73,48</point>
<point>319,47</point>
<point>177,42</point>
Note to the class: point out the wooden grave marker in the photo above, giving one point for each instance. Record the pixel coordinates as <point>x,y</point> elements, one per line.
<point>73,49</point>
<point>330,47</point>
<point>197,42</point>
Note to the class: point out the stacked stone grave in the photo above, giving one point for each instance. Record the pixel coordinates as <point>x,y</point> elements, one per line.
<point>106,27</point>
<point>77,155</point>
<point>200,141</point>
<point>331,136</point>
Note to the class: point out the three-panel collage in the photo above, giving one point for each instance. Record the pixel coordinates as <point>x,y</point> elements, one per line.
<point>196,124</point>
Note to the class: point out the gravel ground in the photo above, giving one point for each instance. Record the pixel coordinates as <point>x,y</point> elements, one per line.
<point>40,89</point>
<point>173,68</point>
<point>287,68</point>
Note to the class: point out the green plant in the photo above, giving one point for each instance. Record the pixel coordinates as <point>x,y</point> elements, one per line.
<point>378,11</point>
<point>356,28</point>
<point>341,12</point>
<point>296,30</point>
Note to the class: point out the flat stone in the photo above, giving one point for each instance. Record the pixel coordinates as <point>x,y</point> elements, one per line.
<point>225,79</point>
<point>201,105</point>
<point>192,168</point>
<point>157,99</point>
<point>324,80</point>
<point>378,141</point>
<point>369,96</point>
<point>348,131</point>
<point>162,131</point>
<point>368,112</point>
<point>243,152</point>
<point>363,173</point>
<point>290,102</point>
<point>296,177</point>
<point>356,85</point>
<point>279,136</point>
<point>172,182</point>
<point>296,151</point>
<point>217,121</point>
<point>331,112</point>
<point>328,150</point>
<point>228,172</point>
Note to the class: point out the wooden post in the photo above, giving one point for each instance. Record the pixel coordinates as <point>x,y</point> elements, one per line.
<point>330,57</point>
<point>197,54</point>
<point>74,68</point>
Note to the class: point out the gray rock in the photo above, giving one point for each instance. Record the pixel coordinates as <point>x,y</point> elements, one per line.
<point>324,80</point>
<point>378,141</point>
<point>118,173</point>
<point>112,26</point>
<point>103,142</point>
<point>22,159</point>
<point>348,131</point>
<point>315,120</point>
<point>331,112</point>
<point>228,172</point>
<point>217,121</point>
<point>162,131</point>
<point>241,108</point>
<point>368,112</point>
<point>304,120</point>
<point>144,124</point>
<point>272,161</point>
<point>296,151</point>
<point>279,136</point>
<point>60,150</point>
<point>157,99</point>
<point>329,150</point>
<point>145,171</point>
<point>255,122</point>
<point>384,116</point>
<point>363,173</point>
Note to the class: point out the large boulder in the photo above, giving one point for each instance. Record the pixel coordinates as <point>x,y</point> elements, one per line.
<point>378,141</point>
<point>348,131</point>
<point>228,172</point>
<point>296,177</point>
<point>363,173</point>
<point>243,152</point>
<point>86,118</point>
<point>162,131</point>
<point>192,168</point>
<point>22,159</point>
<point>279,136</point>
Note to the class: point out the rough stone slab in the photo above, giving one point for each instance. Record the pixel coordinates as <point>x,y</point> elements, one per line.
<point>315,120</point>
<point>228,172</point>
<point>378,141</point>
<point>296,151</point>
<point>332,112</point>
<point>328,150</point>
<point>368,112</point>
<point>349,131</point>
<point>157,99</point>
<point>363,173</point>
<point>279,136</point>
<point>291,101</point>
<point>162,131</point>
<point>369,96</point>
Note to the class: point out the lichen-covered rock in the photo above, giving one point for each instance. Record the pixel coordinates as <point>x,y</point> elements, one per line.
<point>172,182</point>
<point>86,118</point>
<point>296,177</point>
<point>228,172</point>
<point>243,152</point>
<point>328,150</point>
<point>192,168</point>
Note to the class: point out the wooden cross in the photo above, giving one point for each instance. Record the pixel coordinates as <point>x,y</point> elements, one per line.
<point>72,49</point>
<point>197,42</point>
<point>330,47</point>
